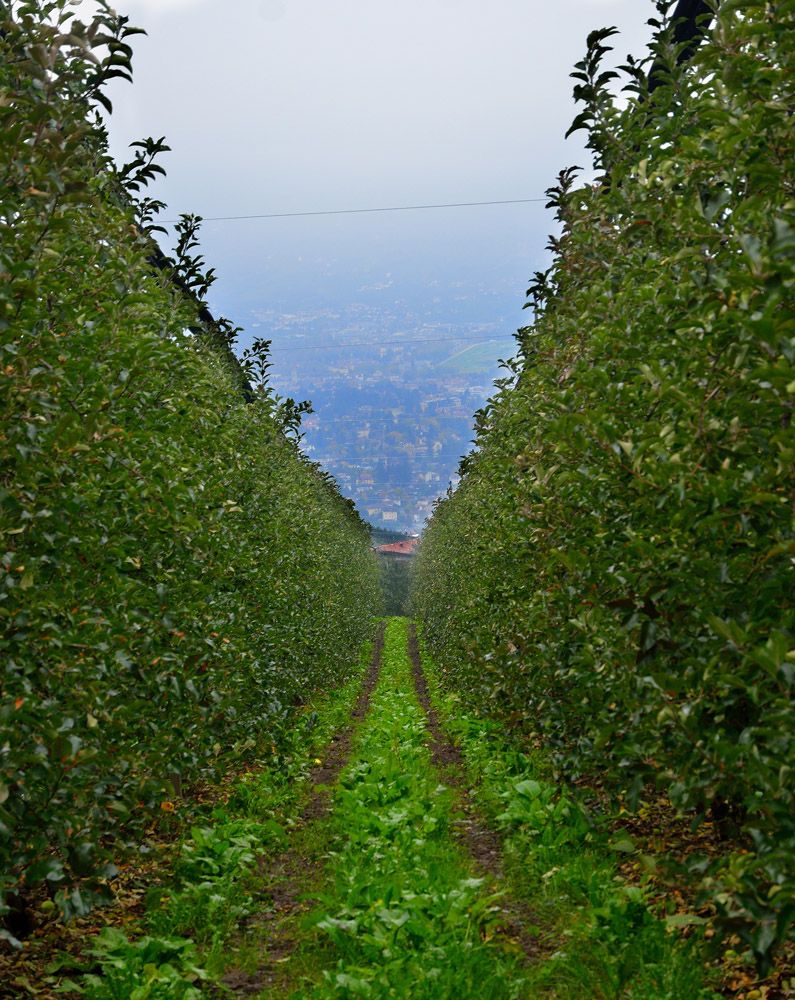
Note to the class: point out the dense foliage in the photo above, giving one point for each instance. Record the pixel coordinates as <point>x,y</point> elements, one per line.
<point>615,571</point>
<point>395,576</point>
<point>174,576</point>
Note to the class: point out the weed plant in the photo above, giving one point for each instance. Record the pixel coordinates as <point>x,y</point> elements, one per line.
<point>151,968</point>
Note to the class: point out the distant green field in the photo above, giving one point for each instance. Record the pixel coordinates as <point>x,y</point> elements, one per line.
<point>479,357</point>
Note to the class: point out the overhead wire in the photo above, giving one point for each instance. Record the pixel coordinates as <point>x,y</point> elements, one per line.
<point>365,486</point>
<point>359,211</point>
<point>355,461</point>
<point>419,417</point>
<point>389,343</point>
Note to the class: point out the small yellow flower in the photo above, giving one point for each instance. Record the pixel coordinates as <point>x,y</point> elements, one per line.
<point>167,807</point>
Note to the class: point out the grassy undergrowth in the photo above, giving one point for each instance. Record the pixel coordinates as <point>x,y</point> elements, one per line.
<point>404,916</point>
<point>601,938</point>
<point>397,910</point>
<point>195,926</point>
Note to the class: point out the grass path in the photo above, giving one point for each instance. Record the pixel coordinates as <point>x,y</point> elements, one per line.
<point>286,875</point>
<point>402,908</point>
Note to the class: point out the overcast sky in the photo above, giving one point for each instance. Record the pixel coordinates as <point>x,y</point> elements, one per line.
<point>310,105</point>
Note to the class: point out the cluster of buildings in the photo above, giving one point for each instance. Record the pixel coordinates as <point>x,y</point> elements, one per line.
<point>393,409</point>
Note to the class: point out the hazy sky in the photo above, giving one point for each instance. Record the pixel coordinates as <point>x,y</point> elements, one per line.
<point>275,105</point>
<point>301,105</point>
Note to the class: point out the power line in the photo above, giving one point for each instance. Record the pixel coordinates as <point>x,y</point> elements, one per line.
<point>361,211</point>
<point>359,461</point>
<point>371,486</point>
<point>351,462</point>
<point>389,343</point>
<point>419,418</point>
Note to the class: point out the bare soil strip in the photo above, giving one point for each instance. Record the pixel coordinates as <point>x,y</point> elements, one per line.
<point>284,875</point>
<point>336,754</point>
<point>481,841</point>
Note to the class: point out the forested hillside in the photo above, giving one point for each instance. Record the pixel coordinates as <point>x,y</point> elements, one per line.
<point>176,579</point>
<point>614,574</point>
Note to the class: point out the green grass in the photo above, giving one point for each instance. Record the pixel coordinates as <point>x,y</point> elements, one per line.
<point>405,916</point>
<point>479,358</point>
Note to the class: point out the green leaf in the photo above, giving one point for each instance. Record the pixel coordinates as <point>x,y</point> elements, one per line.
<point>621,841</point>
<point>684,920</point>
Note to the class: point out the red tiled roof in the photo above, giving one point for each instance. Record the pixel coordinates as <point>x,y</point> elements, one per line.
<point>409,547</point>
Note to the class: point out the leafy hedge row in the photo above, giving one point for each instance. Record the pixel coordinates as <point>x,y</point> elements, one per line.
<point>174,577</point>
<point>615,570</point>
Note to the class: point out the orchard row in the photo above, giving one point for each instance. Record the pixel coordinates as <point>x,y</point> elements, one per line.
<point>614,574</point>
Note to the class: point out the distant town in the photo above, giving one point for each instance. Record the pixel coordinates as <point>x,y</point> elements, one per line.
<point>393,396</point>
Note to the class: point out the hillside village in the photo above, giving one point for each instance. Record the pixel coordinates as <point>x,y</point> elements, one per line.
<point>393,400</point>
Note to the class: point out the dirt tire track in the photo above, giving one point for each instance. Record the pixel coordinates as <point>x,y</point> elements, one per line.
<point>338,751</point>
<point>285,873</point>
<point>481,840</point>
